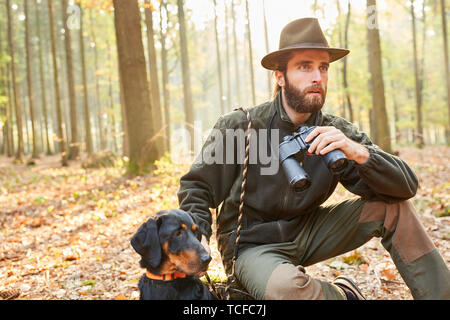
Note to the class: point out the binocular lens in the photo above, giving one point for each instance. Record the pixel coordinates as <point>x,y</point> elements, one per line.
<point>301,185</point>
<point>339,165</point>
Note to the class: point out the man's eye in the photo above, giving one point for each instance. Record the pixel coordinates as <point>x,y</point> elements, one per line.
<point>304,67</point>
<point>324,68</point>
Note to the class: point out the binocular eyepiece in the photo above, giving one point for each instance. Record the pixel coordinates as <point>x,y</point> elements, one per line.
<point>335,160</point>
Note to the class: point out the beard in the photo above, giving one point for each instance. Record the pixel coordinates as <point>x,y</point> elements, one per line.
<point>301,101</point>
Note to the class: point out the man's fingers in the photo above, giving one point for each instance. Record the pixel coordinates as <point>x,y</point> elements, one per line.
<point>332,146</point>
<point>325,137</point>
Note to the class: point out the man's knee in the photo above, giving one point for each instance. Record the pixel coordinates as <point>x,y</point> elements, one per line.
<point>402,226</point>
<point>289,282</point>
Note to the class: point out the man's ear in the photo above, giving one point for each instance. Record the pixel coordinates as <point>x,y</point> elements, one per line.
<point>146,242</point>
<point>279,77</point>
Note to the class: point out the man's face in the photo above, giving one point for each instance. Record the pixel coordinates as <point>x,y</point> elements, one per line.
<point>305,80</point>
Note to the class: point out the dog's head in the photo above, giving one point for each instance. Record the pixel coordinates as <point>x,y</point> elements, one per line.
<point>170,242</point>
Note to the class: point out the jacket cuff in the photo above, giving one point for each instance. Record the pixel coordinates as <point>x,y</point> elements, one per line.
<point>371,161</point>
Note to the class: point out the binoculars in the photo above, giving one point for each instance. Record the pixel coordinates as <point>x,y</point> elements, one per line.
<point>335,160</point>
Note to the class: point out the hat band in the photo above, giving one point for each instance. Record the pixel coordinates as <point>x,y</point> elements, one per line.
<point>306,44</point>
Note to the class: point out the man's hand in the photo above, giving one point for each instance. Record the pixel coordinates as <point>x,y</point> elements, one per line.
<point>205,244</point>
<point>331,138</point>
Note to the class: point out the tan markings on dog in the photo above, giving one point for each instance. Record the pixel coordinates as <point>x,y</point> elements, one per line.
<point>185,260</point>
<point>194,227</point>
<point>183,226</point>
<point>167,266</point>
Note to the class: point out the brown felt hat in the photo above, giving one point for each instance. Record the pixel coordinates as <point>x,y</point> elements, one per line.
<point>302,34</point>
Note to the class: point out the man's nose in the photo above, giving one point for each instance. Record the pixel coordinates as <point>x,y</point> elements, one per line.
<point>317,76</point>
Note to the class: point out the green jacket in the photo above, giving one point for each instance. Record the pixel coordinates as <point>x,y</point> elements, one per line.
<point>272,210</point>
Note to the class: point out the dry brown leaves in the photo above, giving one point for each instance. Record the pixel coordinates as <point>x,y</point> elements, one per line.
<point>65,232</point>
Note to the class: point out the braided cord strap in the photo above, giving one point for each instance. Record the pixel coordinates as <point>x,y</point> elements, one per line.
<point>230,278</point>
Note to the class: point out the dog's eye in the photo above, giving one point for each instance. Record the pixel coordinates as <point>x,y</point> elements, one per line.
<point>177,233</point>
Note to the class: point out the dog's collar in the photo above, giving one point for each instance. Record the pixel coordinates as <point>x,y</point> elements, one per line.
<point>165,277</point>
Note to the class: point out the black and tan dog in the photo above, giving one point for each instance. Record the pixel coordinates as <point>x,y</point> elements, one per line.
<point>171,251</point>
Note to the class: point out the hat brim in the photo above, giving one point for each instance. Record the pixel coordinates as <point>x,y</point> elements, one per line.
<point>270,61</point>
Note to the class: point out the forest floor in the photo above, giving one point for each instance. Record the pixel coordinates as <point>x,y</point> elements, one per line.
<point>65,232</point>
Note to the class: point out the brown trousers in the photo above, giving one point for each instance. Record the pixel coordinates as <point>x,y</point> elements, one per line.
<point>275,271</point>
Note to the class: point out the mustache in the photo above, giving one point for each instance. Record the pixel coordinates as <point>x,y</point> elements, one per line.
<point>315,87</point>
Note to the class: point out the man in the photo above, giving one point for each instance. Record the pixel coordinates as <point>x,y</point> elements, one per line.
<point>282,230</point>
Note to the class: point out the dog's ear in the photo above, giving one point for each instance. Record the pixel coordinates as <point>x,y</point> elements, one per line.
<point>146,242</point>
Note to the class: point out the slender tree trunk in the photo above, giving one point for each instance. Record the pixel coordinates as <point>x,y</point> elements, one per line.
<point>87,117</point>
<point>235,49</point>
<point>125,133</point>
<point>379,114</point>
<point>266,38</point>
<point>219,64</point>
<point>111,99</point>
<point>8,123</point>
<point>185,68</point>
<point>227,60</point>
<point>165,75</point>
<point>17,104</point>
<point>420,141</point>
<point>154,81</point>
<point>98,104</point>
<point>345,62</point>
<point>34,154</point>
<point>61,138</point>
<point>5,90</point>
<point>250,54</point>
<point>447,67</point>
<point>74,149</point>
<point>340,72</point>
<point>42,78</point>
<point>135,86</point>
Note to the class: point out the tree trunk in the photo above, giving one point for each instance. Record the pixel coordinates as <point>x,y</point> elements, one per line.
<point>74,149</point>
<point>379,114</point>
<point>344,68</point>
<point>420,141</point>
<point>447,67</point>
<point>165,75</point>
<point>35,152</point>
<point>154,81</point>
<point>98,104</point>
<point>236,64</point>
<point>8,123</point>
<point>61,138</point>
<point>17,104</point>
<point>42,78</point>
<point>135,86</point>
<point>87,117</point>
<point>219,65</point>
<point>185,68</point>
<point>228,105</point>
<point>4,90</point>
<point>111,112</point>
<point>266,38</point>
<point>250,54</point>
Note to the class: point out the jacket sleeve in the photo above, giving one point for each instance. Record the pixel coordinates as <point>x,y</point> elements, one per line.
<point>209,179</point>
<point>383,177</point>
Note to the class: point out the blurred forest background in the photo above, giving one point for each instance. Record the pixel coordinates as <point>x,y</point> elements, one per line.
<point>61,89</point>
<point>94,95</point>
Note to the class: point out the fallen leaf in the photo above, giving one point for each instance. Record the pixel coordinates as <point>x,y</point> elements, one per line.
<point>120,297</point>
<point>389,274</point>
<point>364,267</point>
